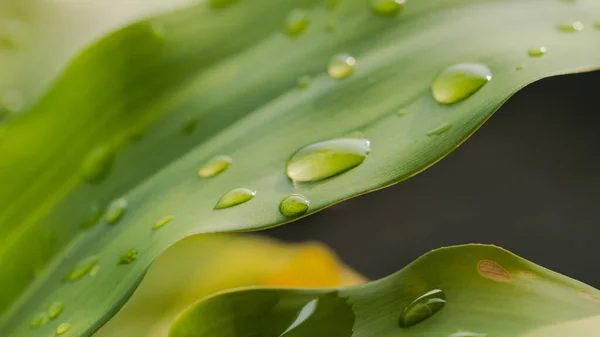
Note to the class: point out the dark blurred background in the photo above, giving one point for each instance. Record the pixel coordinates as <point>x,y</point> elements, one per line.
<point>527,181</point>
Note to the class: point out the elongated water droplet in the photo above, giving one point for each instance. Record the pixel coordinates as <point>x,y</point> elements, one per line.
<point>572,27</point>
<point>387,7</point>
<point>81,268</point>
<point>304,82</point>
<point>55,310</point>
<point>97,164</point>
<point>94,271</point>
<point>62,328</point>
<point>160,223</point>
<point>401,112</point>
<point>39,319</point>
<point>467,334</point>
<point>326,159</point>
<point>422,308</point>
<point>341,66</point>
<point>293,206</point>
<point>214,166</point>
<point>128,256</point>
<point>190,126</point>
<point>460,81</point>
<point>520,67</point>
<point>296,22</point>
<point>537,52</point>
<point>439,130</point>
<point>221,3</point>
<point>234,197</point>
<point>115,211</point>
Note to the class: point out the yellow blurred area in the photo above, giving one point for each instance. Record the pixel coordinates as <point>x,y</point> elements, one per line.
<point>202,265</point>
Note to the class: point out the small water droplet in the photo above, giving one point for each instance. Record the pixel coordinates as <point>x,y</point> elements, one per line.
<point>62,328</point>
<point>214,166</point>
<point>128,257</point>
<point>93,219</point>
<point>341,66</point>
<point>572,27</point>
<point>94,271</point>
<point>39,319</point>
<point>293,206</point>
<point>401,112</point>
<point>304,82</point>
<point>460,81</point>
<point>81,268</point>
<point>115,211</point>
<point>327,158</point>
<point>234,197</point>
<point>422,308</point>
<point>190,126</point>
<point>97,164</point>
<point>537,52</point>
<point>387,7</point>
<point>520,67</point>
<point>160,223</point>
<point>467,334</point>
<point>296,22</point>
<point>439,130</point>
<point>221,3</point>
<point>55,310</point>
<point>13,101</point>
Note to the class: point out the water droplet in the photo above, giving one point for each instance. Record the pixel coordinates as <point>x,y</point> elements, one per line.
<point>97,164</point>
<point>422,308</point>
<point>221,3</point>
<point>387,7</point>
<point>537,52</point>
<point>13,101</point>
<point>62,328</point>
<point>93,219</point>
<point>326,159</point>
<point>81,268</point>
<point>401,112</point>
<point>304,82</point>
<point>190,126</point>
<point>115,211</point>
<point>520,67</point>
<point>293,206</point>
<point>460,81</point>
<point>214,166</point>
<point>129,256</point>
<point>572,27</point>
<point>341,66</point>
<point>234,197</point>
<point>296,22</point>
<point>467,334</point>
<point>493,271</point>
<point>160,223</point>
<point>39,319</point>
<point>55,310</point>
<point>94,271</point>
<point>439,130</point>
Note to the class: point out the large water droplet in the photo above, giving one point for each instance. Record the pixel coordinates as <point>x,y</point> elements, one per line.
<point>221,3</point>
<point>293,206</point>
<point>341,66</point>
<point>572,27</point>
<point>190,126</point>
<point>467,334</point>
<point>234,197</point>
<point>460,81</point>
<point>387,7</point>
<point>296,22</point>
<point>55,310</point>
<point>97,163</point>
<point>214,166</point>
<point>128,256</point>
<point>537,52</point>
<point>422,308</point>
<point>62,328</point>
<point>439,130</point>
<point>115,211</point>
<point>326,159</point>
<point>39,319</point>
<point>160,223</point>
<point>81,268</point>
<point>304,82</point>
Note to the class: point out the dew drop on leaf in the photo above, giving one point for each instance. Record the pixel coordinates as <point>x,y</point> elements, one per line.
<point>97,163</point>
<point>341,66</point>
<point>327,158</point>
<point>129,256</point>
<point>62,328</point>
<point>234,197</point>
<point>304,82</point>
<point>94,271</point>
<point>537,52</point>
<point>214,166</point>
<point>81,268</point>
<point>55,309</point>
<point>439,130</point>
<point>115,211</point>
<point>520,67</point>
<point>401,112</point>
<point>293,206</point>
<point>467,334</point>
<point>387,7</point>
<point>160,223</point>
<point>460,81</point>
<point>572,27</point>
<point>190,126</point>
<point>296,22</point>
<point>422,308</point>
<point>39,319</point>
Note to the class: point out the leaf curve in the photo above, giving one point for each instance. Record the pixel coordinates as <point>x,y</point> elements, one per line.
<point>158,77</point>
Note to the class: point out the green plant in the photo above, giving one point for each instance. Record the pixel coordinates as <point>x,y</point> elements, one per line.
<point>134,116</point>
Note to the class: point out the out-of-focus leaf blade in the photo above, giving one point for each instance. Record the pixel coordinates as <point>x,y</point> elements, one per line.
<point>488,292</point>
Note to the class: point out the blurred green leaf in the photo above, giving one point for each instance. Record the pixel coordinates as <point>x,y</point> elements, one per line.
<point>137,114</point>
<point>487,291</point>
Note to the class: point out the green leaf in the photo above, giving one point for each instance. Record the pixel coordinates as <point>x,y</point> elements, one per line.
<point>487,291</point>
<point>116,124</point>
